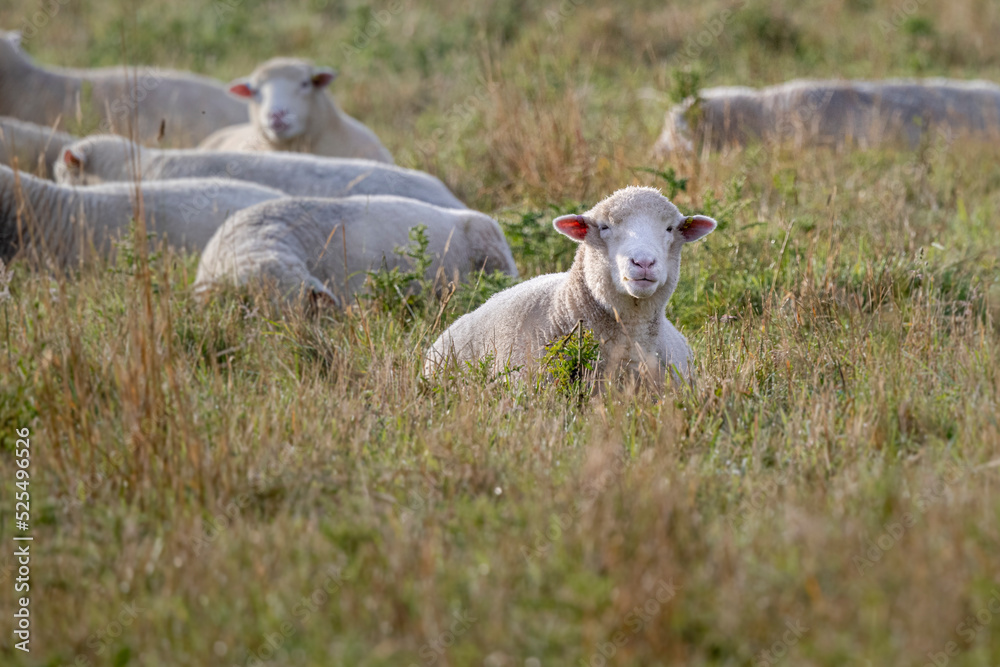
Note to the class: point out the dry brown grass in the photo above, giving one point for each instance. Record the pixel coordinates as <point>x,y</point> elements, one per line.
<point>836,465</point>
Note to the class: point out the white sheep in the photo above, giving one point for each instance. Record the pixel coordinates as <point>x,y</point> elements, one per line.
<point>189,107</point>
<point>290,110</point>
<point>325,247</point>
<point>66,222</point>
<point>834,114</point>
<point>625,271</point>
<point>36,148</point>
<point>109,158</point>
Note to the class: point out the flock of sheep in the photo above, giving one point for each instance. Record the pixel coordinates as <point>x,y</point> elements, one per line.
<point>276,187</point>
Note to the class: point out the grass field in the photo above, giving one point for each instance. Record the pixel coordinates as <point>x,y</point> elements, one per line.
<point>214,486</point>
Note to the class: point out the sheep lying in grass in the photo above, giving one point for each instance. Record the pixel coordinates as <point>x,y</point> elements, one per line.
<point>291,111</point>
<point>66,222</point>
<point>36,148</point>
<point>325,247</point>
<point>625,270</point>
<point>108,158</point>
<point>189,107</point>
<point>834,114</point>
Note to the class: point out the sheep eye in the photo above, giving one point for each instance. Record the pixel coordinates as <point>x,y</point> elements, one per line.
<point>670,229</point>
<point>604,228</point>
<point>305,84</point>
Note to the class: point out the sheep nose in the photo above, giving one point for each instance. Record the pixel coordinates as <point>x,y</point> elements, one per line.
<point>276,120</point>
<point>644,263</point>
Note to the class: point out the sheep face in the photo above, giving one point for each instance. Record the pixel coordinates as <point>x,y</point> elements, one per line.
<point>282,94</point>
<point>12,37</point>
<point>71,171</point>
<point>634,240</point>
<point>73,168</point>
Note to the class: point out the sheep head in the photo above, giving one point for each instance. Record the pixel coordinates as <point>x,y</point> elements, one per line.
<point>633,241</point>
<point>283,94</point>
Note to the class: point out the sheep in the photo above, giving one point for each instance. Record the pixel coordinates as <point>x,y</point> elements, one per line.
<point>834,114</point>
<point>35,148</point>
<point>290,111</point>
<point>623,274</point>
<point>66,222</point>
<point>323,248</point>
<point>108,158</point>
<point>189,107</point>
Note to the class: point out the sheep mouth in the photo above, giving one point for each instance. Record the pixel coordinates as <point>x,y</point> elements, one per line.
<point>640,288</point>
<point>280,130</point>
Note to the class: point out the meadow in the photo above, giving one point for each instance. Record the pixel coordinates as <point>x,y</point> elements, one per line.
<point>215,485</point>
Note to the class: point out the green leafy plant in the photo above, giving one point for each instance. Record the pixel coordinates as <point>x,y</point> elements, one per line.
<point>128,252</point>
<point>684,83</point>
<point>536,245</point>
<point>405,292</point>
<point>571,362</point>
<point>471,294</point>
<point>675,184</point>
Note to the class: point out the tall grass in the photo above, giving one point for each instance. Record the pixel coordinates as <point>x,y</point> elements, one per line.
<point>215,484</point>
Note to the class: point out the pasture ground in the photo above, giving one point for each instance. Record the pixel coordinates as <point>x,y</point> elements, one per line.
<point>214,486</point>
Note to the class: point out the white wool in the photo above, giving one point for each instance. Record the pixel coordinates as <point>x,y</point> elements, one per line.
<point>327,246</point>
<point>187,107</point>
<point>834,114</point>
<point>66,222</point>
<point>108,158</point>
<point>625,270</point>
<point>35,148</point>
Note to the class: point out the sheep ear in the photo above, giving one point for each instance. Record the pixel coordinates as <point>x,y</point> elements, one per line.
<point>72,160</point>
<point>573,226</point>
<point>696,226</point>
<point>323,77</point>
<point>241,88</point>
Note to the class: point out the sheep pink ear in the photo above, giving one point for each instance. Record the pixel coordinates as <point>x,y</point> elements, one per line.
<point>573,226</point>
<point>72,159</point>
<point>322,78</point>
<point>240,88</point>
<point>696,226</point>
